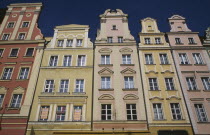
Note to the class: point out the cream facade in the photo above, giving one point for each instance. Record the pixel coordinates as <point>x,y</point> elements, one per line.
<point>166,110</point>
<point>63,98</point>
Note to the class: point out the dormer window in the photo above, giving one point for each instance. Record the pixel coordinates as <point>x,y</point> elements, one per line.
<point>149,27</point>
<point>60,43</point>
<point>79,42</point>
<point>120,39</point>
<point>147,40</point>
<point>179,28</point>
<point>114,27</point>
<point>109,39</point>
<point>25,24</point>
<point>191,41</point>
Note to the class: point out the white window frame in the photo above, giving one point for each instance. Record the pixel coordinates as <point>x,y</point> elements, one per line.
<point>175,115</point>
<point>169,82</point>
<point>201,113</point>
<point>206,82</point>
<point>23,24</point>
<point>82,61</point>
<point>106,112</point>
<point>8,73</point>
<point>21,36</point>
<point>109,39</point>
<point>53,61</point>
<point>60,113</point>
<point>164,58</point>
<point>158,112</point>
<point>191,83</point>
<point>129,83</point>
<point>65,86</point>
<point>152,83</point>
<point>67,62</point>
<point>105,59</point>
<point>79,42</point>
<point>197,58</point>
<point>106,83</point>
<point>131,109</point>
<point>120,39</point>
<point>8,25</point>
<point>5,36</point>
<point>149,59</point>
<point>49,87</point>
<point>79,86</point>
<point>126,58</point>
<point>157,40</point>
<point>69,43</point>
<point>147,41</point>
<point>24,74</point>
<point>16,101</point>
<point>183,58</point>
<point>60,43</point>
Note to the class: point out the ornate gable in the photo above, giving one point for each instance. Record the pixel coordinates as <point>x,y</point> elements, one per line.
<point>106,97</point>
<point>130,97</point>
<point>3,89</point>
<point>128,71</point>
<point>173,97</point>
<point>19,89</point>
<point>177,17</point>
<point>105,71</point>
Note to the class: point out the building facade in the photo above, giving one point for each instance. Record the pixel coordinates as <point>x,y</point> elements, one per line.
<point>192,62</point>
<point>118,101</point>
<point>166,110</point>
<point>63,98</point>
<point>206,42</point>
<point>20,42</point>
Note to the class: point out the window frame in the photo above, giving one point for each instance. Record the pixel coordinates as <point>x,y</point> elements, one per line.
<point>79,91</point>
<point>63,90</point>
<point>154,88</point>
<point>120,39</point>
<point>27,51</point>
<point>146,59</point>
<point>60,42</point>
<point>24,73</point>
<point>23,26</point>
<point>82,65</point>
<point>78,43</point>
<point>159,42</point>
<point>198,113</point>
<point>11,52</point>
<point>176,115</point>
<point>1,54</point>
<point>173,86</point>
<point>3,71</point>
<point>178,40</point>
<point>109,39</point>
<point>48,90</point>
<point>69,64</point>
<point>104,83</point>
<point>130,82</point>
<point>17,102</point>
<point>106,114</point>
<point>158,114</point>
<point>127,59</point>
<point>197,58</point>
<point>164,60</point>
<point>184,59</point>
<point>53,65</point>
<point>2,99</point>
<point>191,40</point>
<point>7,38</point>
<point>22,38</point>
<point>131,112</point>
<point>60,113</point>
<point>147,40</point>
<point>12,25</point>
<point>190,84</point>
<point>40,112</point>
<point>67,42</point>
<point>206,85</point>
<point>105,59</point>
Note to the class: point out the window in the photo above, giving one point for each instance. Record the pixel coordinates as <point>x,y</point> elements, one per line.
<point>79,42</point>
<point>202,117</point>
<point>79,85</point>
<point>153,84</point>
<point>191,83</point>
<point>147,41</point>
<point>105,83</point>
<point>1,99</point>
<point>44,112</point>
<point>183,58</point>
<point>60,113</point>
<point>69,42</point>
<point>7,74</point>
<point>25,24</point>
<point>206,83</point>
<point>106,112</point>
<point>120,39</point>
<point>81,60</point>
<point>64,86</point>
<point>176,111</point>
<point>114,27</point>
<point>49,86</point>
<point>149,59</point>
<point>131,112</point>
<point>13,53</point>
<point>77,116</point>
<point>178,41</point>
<point>157,41</point>
<point>5,37</point>
<point>126,59</point>
<point>21,36</point>
<point>169,84</point>
<point>191,41</point>
<point>10,25</point>
<point>16,100</point>
<point>1,52</point>
<point>158,111</point>
<point>67,61</point>
<point>105,59</point>
<point>30,52</point>
<point>198,59</point>
<point>53,61</point>
<point>60,43</point>
<point>164,59</point>
<point>129,83</point>
<point>23,73</point>
<point>109,40</point>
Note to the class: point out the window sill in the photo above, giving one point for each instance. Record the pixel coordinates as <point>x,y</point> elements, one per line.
<point>185,64</point>
<point>159,44</point>
<point>166,64</point>
<point>192,43</point>
<point>105,65</point>
<point>127,64</point>
<point>154,90</point>
<point>78,93</point>
<point>206,90</point>
<point>6,80</point>
<point>22,79</point>
<point>204,122</point>
<point>110,89</point>
<point>160,120</point>
<point>79,46</point>
<point>179,44</point>
<point>12,108</point>
<point>47,93</point>
<point>149,64</point>
<point>194,90</point>
<point>62,93</point>
<point>28,56</point>
<point>200,64</point>
<point>131,89</point>
<point>172,90</point>
<point>178,120</point>
<point>12,57</point>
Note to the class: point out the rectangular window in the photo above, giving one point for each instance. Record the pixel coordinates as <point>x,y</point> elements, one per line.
<point>69,42</point>
<point>77,115</point>
<point>5,37</point>
<point>206,82</point>
<point>16,100</point>
<point>147,41</point>
<point>183,58</point>
<point>105,59</point>
<point>1,99</point>
<point>60,43</point>
<point>164,59</point>
<point>60,113</point>
<point>1,52</point>
<point>109,39</point>
<point>81,60</point>
<point>149,59</point>
<point>79,42</point>
<point>126,59</point>
<point>191,41</point>
<point>153,84</point>
<point>169,84</point>
<point>10,25</point>
<point>198,59</point>
<point>30,52</point>
<point>191,83</point>
<point>176,111</point>
<point>79,85</point>
<point>44,112</point>
<point>7,74</point>
<point>106,112</point>
<point>114,27</point>
<point>105,83</point>
<point>157,41</point>
<point>120,39</point>
<point>64,86</point>
<point>67,61</point>
<point>14,53</point>
<point>128,81</point>
<point>178,41</point>
<point>23,73</point>
<point>158,111</point>
<point>201,113</point>
<point>131,112</point>
<point>25,24</point>
<point>49,86</point>
<point>53,61</point>
<point>21,36</point>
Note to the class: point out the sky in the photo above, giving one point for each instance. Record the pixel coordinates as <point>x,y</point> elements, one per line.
<point>86,12</point>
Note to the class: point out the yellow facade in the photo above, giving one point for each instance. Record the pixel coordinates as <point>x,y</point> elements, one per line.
<point>55,108</point>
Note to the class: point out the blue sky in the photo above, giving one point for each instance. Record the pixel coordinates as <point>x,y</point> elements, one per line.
<point>62,12</point>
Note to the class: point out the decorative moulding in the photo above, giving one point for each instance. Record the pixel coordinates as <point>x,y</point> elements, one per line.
<point>128,71</point>
<point>167,71</point>
<point>153,98</point>
<point>19,89</point>
<point>105,50</point>
<point>173,97</point>
<point>130,97</point>
<point>151,71</point>
<point>3,89</point>
<point>197,99</point>
<point>106,71</point>
<point>106,97</point>
<point>126,50</point>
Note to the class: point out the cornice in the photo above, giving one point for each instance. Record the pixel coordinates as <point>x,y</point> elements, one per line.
<point>153,48</point>
<point>21,42</point>
<point>161,33</point>
<point>187,48</point>
<point>170,33</point>
<point>116,44</point>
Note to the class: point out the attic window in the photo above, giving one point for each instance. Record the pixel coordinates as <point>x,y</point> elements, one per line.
<point>179,28</point>
<point>114,27</point>
<point>149,27</point>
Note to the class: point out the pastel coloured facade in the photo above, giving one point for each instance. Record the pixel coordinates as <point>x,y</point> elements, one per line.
<point>192,62</point>
<point>63,97</point>
<point>118,101</point>
<point>20,44</point>
<point>166,110</point>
